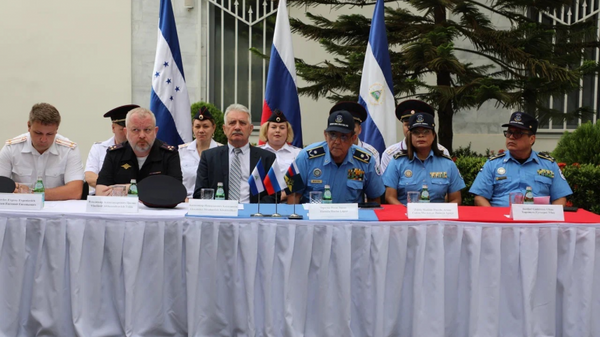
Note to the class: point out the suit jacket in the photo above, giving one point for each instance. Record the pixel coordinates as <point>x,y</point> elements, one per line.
<point>214,168</point>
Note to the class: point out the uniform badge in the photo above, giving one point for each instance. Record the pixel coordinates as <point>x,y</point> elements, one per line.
<point>317,172</point>
<point>408,173</point>
<point>316,181</point>
<point>501,170</point>
<point>356,174</point>
<point>420,119</point>
<point>126,166</point>
<point>278,119</point>
<point>517,117</point>
<point>339,119</point>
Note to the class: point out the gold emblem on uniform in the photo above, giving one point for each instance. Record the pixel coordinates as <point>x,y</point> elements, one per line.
<point>339,119</point>
<point>408,173</point>
<point>126,166</point>
<point>420,119</point>
<point>278,119</point>
<point>317,172</point>
<point>201,117</point>
<point>501,170</point>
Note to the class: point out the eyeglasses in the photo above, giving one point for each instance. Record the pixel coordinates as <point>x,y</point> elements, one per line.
<point>515,134</point>
<point>335,136</point>
<point>137,131</point>
<point>425,132</point>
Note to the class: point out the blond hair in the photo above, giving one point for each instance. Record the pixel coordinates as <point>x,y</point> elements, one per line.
<point>262,135</point>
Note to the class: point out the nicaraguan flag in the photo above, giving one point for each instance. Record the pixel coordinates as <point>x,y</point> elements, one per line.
<point>256,178</point>
<point>169,99</point>
<point>376,87</point>
<point>281,92</point>
<point>274,181</point>
<point>293,179</point>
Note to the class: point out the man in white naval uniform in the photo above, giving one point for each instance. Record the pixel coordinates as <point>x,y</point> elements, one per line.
<point>97,153</point>
<point>43,153</point>
<point>403,112</point>
<point>360,115</point>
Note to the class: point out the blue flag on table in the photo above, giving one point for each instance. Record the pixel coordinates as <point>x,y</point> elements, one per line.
<point>376,87</point>
<point>169,100</point>
<point>256,178</point>
<point>281,91</point>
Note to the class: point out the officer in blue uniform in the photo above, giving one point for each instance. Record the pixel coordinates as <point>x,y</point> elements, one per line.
<point>520,167</point>
<point>348,169</point>
<point>423,163</point>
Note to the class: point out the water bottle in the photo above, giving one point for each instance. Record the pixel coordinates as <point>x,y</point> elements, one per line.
<point>424,194</point>
<point>327,195</point>
<point>220,195</point>
<point>528,196</point>
<point>39,188</point>
<point>133,190</point>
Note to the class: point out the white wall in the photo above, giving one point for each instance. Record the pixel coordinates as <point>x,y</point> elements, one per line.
<point>73,54</point>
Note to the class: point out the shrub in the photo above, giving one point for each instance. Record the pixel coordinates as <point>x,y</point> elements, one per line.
<point>469,167</point>
<point>580,146</point>
<point>217,114</point>
<point>465,152</point>
<point>584,180</point>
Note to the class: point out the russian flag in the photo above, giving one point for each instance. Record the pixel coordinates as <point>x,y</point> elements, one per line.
<point>256,178</point>
<point>282,92</point>
<point>169,100</point>
<point>293,179</point>
<point>274,181</point>
<point>376,87</point>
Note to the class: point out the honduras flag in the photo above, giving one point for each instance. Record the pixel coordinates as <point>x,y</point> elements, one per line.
<point>256,178</point>
<point>281,92</point>
<point>376,87</point>
<point>169,99</point>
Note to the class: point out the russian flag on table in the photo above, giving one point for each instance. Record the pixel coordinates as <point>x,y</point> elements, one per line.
<point>274,181</point>
<point>169,100</point>
<point>376,87</point>
<point>281,92</point>
<point>256,178</point>
<point>293,179</point>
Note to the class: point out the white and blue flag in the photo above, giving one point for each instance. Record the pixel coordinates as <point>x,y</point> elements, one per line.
<point>376,87</point>
<point>169,100</point>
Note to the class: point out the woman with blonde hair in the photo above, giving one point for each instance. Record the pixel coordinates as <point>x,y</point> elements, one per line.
<point>277,133</point>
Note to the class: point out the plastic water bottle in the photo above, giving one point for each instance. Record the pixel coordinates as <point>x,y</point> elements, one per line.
<point>39,188</point>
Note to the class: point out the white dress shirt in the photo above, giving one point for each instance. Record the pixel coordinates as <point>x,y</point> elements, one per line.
<point>189,158</point>
<point>285,155</point>
<point>96,156</point>
<point>245,166</point>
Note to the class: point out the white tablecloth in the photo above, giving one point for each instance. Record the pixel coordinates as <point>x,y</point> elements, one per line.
<point>64,272</point>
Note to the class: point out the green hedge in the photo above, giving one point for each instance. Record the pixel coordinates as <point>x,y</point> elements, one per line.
<point>469,167</point>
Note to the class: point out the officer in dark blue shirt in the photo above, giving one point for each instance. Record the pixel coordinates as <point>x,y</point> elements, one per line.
<point>520,167</point>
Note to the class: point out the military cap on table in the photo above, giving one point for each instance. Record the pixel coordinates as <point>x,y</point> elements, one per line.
<point>161,191</point>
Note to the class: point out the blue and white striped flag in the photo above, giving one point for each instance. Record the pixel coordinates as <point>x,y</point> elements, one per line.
<point>376,87</point>
<point>169,99</point>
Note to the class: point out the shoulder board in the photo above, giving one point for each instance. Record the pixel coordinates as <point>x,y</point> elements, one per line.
<point>181,146</point>
<point>400,154</point>
<point>97,143</point>
<point>499,155</point>
<point>115,147</point>
<point>447,157</point>
<point>16,140</point>
<point>315,152</point>
<point>546,155</point>
<point>66,143</point>
<point>168,147</point>
<point>361,155</point>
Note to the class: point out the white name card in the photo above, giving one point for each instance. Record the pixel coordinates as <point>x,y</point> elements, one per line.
<point>112,204</point>
<point>537,212</point>
<point>228,208</point>
<point>20,201</point>
<point>429,210</point>
<point>333,211</point>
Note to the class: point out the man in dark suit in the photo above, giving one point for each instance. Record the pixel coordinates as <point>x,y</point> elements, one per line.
<point>232,164</point>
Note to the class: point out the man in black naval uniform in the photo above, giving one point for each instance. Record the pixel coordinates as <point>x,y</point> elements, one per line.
<point>140,156</point>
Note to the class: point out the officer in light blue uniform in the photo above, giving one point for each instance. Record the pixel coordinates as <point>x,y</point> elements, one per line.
<point>436,170</point>
<point>348,169</point>
<point>519,168</point>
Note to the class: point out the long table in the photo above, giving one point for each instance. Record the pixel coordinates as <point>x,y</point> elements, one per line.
<point>65,272</point>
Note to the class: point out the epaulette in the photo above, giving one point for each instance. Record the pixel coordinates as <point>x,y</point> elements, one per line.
<point>115,147</point>
<point>546,155</point>
<point>66,143</point>
<point>168,147</point>
<point>181,146</point>
<point>400,154</point>
<point>16,140</point>
<point>315,152</point>
<point>499,155</point>
<point>361,155</point>
<point>446,156</point>
<point>97,143</point>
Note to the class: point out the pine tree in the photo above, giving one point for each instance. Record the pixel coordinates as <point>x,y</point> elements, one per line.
<point>522,66</point>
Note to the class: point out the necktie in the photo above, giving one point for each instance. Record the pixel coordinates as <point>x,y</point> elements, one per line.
<point>235,178</point>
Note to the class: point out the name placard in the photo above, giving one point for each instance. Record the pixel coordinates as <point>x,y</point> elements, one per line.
<point>21,201</point>
<point>112,204</point>
<point>427,210</point>
<point>228,208</point>
<point>333,211</point>
<point>537,212</point>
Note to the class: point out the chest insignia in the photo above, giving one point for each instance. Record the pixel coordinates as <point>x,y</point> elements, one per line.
<point>408,173</point>
<point>317,172</point>
<point>546,173</point>
<point>501,170</point>
<point>356,174</point>
<point>443,175</point>
<point>126,166</point>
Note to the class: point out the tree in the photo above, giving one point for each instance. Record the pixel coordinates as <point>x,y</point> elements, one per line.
<point>521,67</point>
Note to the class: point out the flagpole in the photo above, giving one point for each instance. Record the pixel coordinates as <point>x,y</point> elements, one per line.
<point>276,215</point>
<point>295,216</point>
<point>258,213</point>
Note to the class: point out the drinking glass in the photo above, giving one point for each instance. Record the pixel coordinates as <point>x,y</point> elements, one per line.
<point>207,193</point>
<point>316,197</point>
<point>119,191</point>
<point>412,196</point>
<point>515,198</point>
